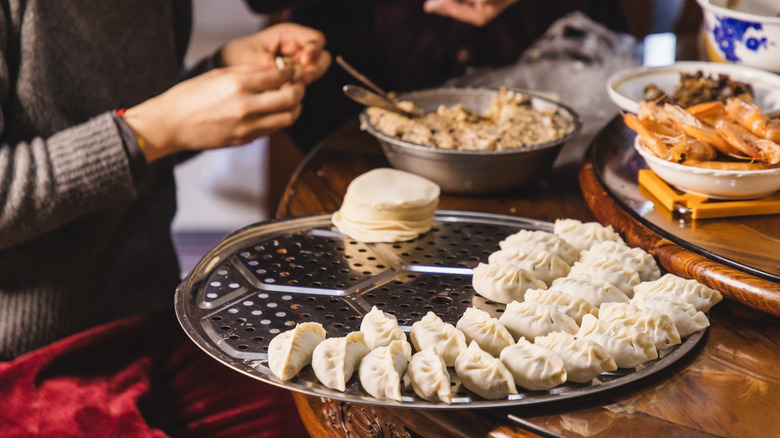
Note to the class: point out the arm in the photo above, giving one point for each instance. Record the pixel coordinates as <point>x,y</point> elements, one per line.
<point>476,12</point>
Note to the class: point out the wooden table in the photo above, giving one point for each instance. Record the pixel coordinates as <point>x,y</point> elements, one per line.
<point>729,387</point>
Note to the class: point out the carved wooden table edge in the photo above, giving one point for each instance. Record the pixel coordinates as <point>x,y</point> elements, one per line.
<point>752,291</point>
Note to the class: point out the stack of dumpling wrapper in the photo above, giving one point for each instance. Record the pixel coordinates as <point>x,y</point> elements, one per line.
<point>387,205</point>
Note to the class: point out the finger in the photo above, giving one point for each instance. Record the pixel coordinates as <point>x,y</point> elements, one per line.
<point>310,73</point>
<point>477,14</point>
<point>283,99</point>
<point>253,80</point>
<point>266,124</point>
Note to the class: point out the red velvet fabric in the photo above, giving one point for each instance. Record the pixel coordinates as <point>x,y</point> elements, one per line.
<point>138,377</point>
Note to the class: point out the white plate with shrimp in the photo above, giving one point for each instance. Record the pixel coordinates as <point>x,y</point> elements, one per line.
<point>626,87</point>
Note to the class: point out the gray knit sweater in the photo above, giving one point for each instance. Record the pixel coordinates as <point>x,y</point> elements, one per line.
<point>82,241</point>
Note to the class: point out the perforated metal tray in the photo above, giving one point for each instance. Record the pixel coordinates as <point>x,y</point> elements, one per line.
<point>266,278</point>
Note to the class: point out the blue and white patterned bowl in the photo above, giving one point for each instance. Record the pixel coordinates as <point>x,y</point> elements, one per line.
<point>747,33</point>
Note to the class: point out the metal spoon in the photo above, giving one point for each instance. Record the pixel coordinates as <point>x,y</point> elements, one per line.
<point>369,98</point>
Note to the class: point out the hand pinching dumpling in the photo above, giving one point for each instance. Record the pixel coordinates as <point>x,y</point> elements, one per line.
<point>690,291</point>
<point>446,340</point>
<point>382,369</point>
<point>335,359</point>
<point>503,283</point>
<point>609,270</point>
<point>530,319</point>
<point>658,326</point>
<point>483,374</point>
<point>584,359</point>
<point>636,259</point>
<point>589,288</point>
<point>488,333</point>
<point>533,367</point>
<point>381,328</point>
<point>429,376</point>
<point>628,348</point>
<point>542,265</point>
<point>584,235</point>
<point>686,318</point>
<point>290,351</point>
<point>541,240</point>
<point>573,306</point>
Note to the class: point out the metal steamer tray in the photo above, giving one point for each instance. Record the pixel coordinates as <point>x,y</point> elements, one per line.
<point>266,278</point>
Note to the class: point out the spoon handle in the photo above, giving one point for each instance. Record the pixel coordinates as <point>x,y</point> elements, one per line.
<point>359,76</point>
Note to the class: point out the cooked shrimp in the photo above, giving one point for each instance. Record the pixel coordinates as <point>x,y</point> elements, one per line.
<point>708,134</point>
<point>727,165</point>
<point>752,118</point>
<point>692,149</point>
<point>707,110</point>
<point>746,141</point>
<point>651,139</point>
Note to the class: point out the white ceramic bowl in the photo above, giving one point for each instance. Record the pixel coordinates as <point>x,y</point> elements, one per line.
<point>713,183</point>
<point>626,87</point>
<point>749,34</point>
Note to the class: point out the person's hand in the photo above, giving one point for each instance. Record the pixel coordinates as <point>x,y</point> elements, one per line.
<point>304,46</point>
<point>476,12</point>
<point>223,107</point>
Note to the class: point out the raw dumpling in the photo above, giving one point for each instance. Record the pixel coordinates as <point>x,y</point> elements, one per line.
<point>486,331</point>
<point>533,367</point>
<point>658,326</point>
<point>584,359</point>
<point>684,315</point>
<point>381,328</point>
<point>627,347</point>
<point>591,289</point>
<point>690,291</point>
<point>382,369</point>
<point>335,359</point>
<point>635,259</point>
<point>429,376</point>
<point>573,306</point>
<point>541,240</point>
<point>584,235</point>
<point>483,374</point>
<point>530,319</point>
<point>610,270</point>
<point>503,283</point>
<point>446,340</point>
<point>290,351</point>
<point>542,265</point>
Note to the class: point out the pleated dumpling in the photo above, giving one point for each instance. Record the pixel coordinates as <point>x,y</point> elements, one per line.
<point>686,318</point>
<point>541,240</point>
<point>628,348</point>
<point>382,370</point>
<point>573,306</point>
<point>486,331</point>
<point>503,283</point>
<point>484,374</point>
<point>542,265</point>
<point>380,329</point>
<point>584,359</point>
<point>611,270</point>
<point>690,291</point>
<point>584,235</point>
<point>530,319</point>
<point>635,259</point>
<point>290,351</point>
<point>533,367</point>
<point>335,359</point>
<point>594,290</point>
<point>429,377</point>
<point>658,326</point>
<point>431,332</point>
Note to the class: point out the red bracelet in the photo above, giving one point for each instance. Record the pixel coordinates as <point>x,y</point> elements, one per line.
<point>121,112</point>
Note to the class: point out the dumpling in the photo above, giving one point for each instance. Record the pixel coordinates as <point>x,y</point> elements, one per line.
<point>658,326</point>
<point>684,315</point>
<point>503,283</point>
<point>584,359</point>
<point>530,319</point>
<point>381,328</point>
<point>594,290</point>
<point>584,235</point>
<point>573,306</point>
<point>382,369</point>
<point>542,265</point>
<point>541,240</point>
<point>483,374</point>
<point>335,359</point>
<point>290,351</point>
<point>690,291</point>
<point>446,340</point>
<point>610,270</point>
<point>533,367</point>
<point>485,330</point>
<point>635,259</point>
<point>628,348</point>
<point>429,376</point>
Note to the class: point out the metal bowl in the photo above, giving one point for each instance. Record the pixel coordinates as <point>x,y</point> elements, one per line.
<point>470,171</point>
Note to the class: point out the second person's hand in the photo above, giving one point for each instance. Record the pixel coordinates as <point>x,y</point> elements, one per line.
<point>476,12</point>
